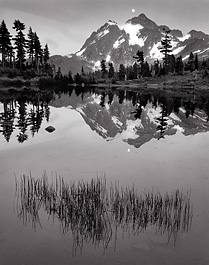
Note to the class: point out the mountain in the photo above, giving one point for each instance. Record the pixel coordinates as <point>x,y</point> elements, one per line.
<point>113,116</point>
<point>119,43</point>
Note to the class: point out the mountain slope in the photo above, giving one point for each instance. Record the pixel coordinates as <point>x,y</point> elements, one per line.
<point>119,43</point>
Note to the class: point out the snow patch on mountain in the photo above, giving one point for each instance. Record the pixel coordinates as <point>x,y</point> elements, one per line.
<point>141,41</point>
<point>118,42</point>
<point>204,51</point>
<point>80,52</point>
<point>187,36</point>
<point>178,50</point>
<point>102,34</point>
<point>155,52</point>
<point>96,65</point>
<point>185,58</point>
<point>112,22</point>
<point>198,51</point>
<point>133,31</point>
<point>108,58</point>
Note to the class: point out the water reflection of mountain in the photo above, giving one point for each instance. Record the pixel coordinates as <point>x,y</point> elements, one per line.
<point>137,117</point>
<point>23,112</point>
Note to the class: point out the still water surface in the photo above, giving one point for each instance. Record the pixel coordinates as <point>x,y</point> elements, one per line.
<point>156,142</point>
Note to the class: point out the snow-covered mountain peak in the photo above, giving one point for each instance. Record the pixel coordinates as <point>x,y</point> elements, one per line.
<point>112,22</point>
<point>118,44</point>
<point>144,21</point>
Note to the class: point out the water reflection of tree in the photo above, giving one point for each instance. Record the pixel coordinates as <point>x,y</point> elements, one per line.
<point>7,119</point>
<point>162,119</point>
<point>110,97</point>
<point>22,121</point>
<point>176,104</point>
<point>102,99</point>
<point>95,212</point>
<point>16,114</point>
<point>189,107</point>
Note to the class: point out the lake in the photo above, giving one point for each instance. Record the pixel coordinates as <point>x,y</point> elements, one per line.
<point>123,178</point>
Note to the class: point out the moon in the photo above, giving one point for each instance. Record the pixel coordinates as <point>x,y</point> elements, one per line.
<point>133,10</point>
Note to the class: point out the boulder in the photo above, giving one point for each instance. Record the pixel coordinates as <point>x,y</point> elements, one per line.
<point>50,129</point>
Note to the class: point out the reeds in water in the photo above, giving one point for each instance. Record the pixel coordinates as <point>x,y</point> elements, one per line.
<point>93,211</point>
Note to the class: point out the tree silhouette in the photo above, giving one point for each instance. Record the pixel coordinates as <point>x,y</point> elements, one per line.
<point>162,119</point>
<point>140,59</point>
<point>122,72</point>
<point>135,70</point>
<point>111,71</point>
<point>165,49</point>
<point>179,66</point>
<point>20,42</point>
<point>7,119</point>
<point>31,45</point>
<point>190,65</point>
<point>102,99</point>
<point>38,51</point>
<point>196,62</point>
<point>46,53</point>
<point>5,42</point>
<point>103,68</point>
<point>110,97</point>
<point>22,121</point>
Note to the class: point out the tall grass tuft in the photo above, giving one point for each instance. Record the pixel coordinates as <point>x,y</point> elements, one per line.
<point>93,211</point>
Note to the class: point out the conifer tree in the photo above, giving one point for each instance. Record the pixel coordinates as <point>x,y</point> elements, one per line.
<point>171,63</point>
<point>135,70</point>
<point>140,59</point>
<point>111,71</point>
<point>145,69</point>
<point>82,71</point>
<point>38,52</point>
<point>196,62</point>
<point>70,77</point>
<point>190,65</point>
<point>20,42</point>
<point>156,68</point>
<point>5,41</point>
<point>46,54</point>
<point>31,44</point>
<point>179,66</point>
<point>122,72</point>
<point>166,49</point>
<point>103,68</point>
<point>58,73</point>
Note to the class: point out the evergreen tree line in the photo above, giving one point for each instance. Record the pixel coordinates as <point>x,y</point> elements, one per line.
<point>138,70</point>
<point>21,51</point>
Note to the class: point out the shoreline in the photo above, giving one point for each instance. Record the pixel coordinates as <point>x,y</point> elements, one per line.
<point>186,83</point>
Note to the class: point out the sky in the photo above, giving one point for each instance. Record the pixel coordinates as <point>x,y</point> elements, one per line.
<point>66,24</point>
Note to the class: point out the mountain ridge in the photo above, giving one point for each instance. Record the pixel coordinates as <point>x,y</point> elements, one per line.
<point>119,43</point>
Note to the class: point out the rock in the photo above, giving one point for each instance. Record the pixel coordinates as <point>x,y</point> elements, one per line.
<point>50,129</point>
